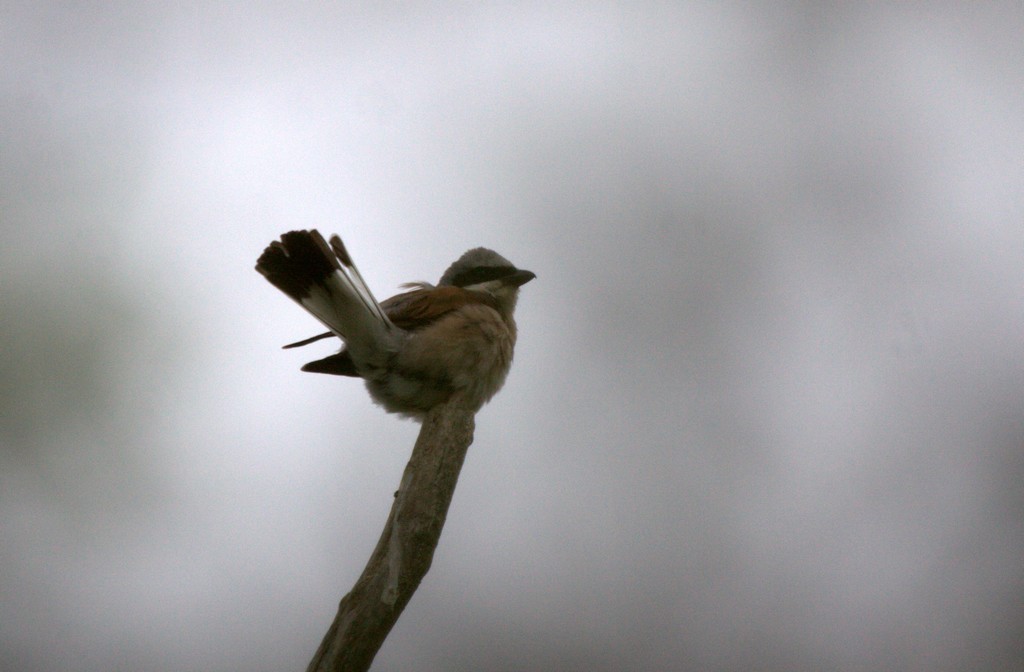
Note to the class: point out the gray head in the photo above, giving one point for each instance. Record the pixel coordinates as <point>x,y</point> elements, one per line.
<point>484,270</point>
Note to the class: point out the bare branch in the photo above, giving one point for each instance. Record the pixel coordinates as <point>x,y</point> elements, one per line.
<point>406,547</point>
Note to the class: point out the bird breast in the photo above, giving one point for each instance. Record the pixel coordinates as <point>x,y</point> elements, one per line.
<point>466,353</point>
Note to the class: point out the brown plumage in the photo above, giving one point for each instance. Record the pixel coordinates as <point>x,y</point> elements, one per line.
<point>418,348</point>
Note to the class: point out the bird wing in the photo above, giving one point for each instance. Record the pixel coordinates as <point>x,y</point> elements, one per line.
<point>409,311</point>
<point>415,309</point>
<point>418,308</point>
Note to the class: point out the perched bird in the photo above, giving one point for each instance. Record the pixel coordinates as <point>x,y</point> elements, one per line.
<point>417,349</point>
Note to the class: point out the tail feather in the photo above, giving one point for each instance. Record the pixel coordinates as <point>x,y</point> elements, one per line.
<point>357,279</point>
<point>328,285</point>
<point>311,339</point>
<point>299,262</point>
<point>338,364</point>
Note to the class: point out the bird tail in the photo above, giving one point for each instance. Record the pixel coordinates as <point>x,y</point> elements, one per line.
<point>323,280</point>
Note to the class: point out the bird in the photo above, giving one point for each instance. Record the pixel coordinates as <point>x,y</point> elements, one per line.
<point>418,349</point>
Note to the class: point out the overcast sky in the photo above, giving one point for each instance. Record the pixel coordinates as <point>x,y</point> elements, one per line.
<point>767,408</point>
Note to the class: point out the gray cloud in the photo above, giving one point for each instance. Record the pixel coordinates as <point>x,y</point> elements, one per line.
<point>766,411</point>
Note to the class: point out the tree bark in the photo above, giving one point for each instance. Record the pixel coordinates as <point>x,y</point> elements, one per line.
<point>406,547</point>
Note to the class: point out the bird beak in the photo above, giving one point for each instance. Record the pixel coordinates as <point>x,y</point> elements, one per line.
<point>519,278</point>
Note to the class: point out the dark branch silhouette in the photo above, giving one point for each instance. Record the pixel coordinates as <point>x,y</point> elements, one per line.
<point>406,547</point>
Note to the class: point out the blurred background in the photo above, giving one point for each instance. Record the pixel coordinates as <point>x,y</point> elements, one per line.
<point>767,410</point>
